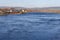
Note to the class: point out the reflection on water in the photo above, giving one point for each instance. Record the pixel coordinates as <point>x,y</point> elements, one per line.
<point>31,26</point>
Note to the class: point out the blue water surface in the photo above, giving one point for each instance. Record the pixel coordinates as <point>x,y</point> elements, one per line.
<point>30,26</point>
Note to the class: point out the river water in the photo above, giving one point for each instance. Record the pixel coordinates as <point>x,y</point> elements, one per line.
<point>30,26</point>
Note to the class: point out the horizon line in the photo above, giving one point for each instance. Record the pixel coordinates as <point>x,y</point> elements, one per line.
<point>30,7</point>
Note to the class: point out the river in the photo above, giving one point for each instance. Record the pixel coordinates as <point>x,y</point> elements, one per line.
<point>30,26</point>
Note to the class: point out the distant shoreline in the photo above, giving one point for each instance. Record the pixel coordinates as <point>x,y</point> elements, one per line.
<point>21,10</point>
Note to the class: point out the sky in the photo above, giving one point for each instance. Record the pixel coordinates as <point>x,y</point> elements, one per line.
<point>30,3</point>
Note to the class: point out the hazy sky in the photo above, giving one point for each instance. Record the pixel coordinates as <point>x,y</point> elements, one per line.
<point>30,3</point>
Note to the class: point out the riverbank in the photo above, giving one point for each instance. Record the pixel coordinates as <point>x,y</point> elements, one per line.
<point>6,11</point>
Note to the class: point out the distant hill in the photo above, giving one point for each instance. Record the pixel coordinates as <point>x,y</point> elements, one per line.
<point>3,7</point>
<point>46,8</point>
